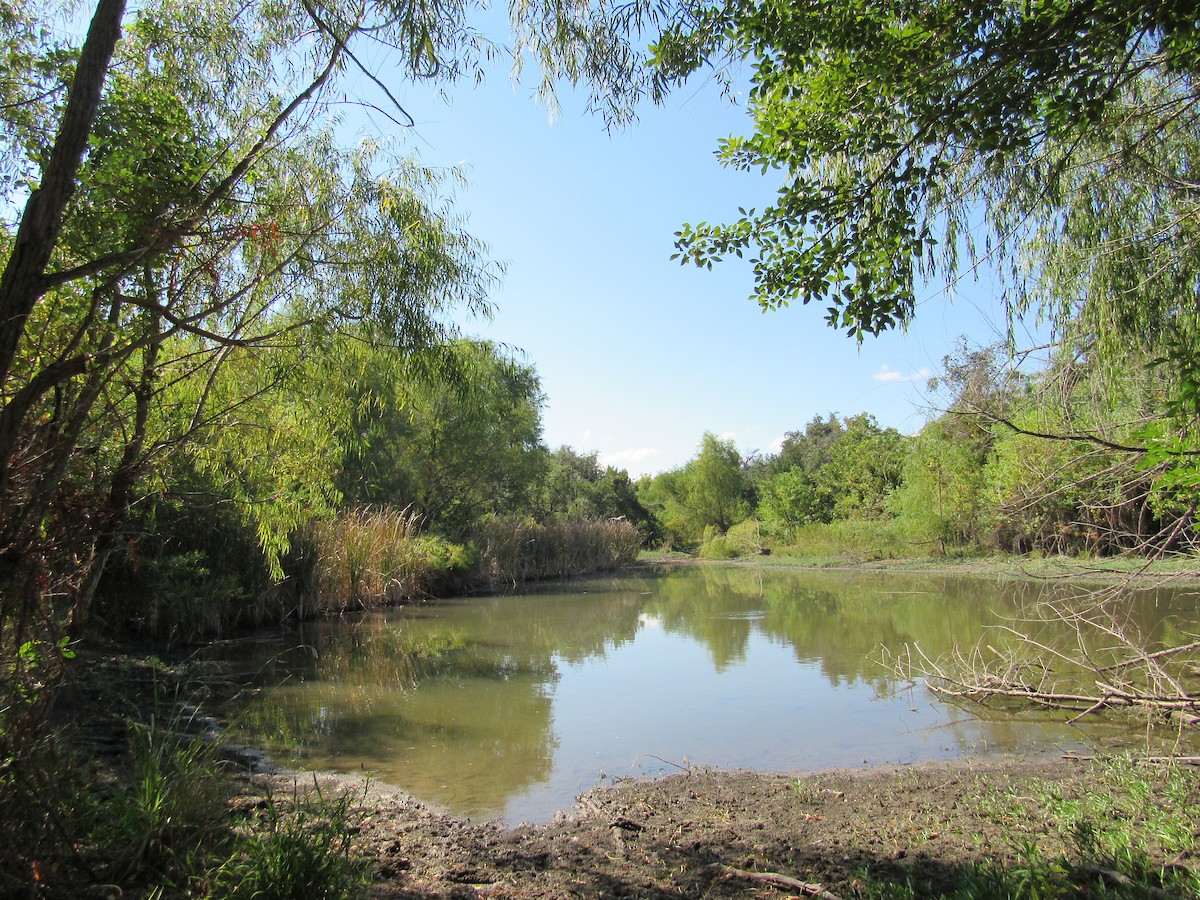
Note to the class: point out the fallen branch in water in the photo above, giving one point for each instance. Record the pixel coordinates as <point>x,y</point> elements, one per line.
<point>1108,664</point>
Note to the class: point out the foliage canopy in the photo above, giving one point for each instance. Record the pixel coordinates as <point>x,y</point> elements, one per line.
<point>895,124</point>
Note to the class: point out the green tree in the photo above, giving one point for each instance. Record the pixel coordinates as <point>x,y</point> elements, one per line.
<point>808,449</point>
<point>182,204</point>
<point>890,122</point>
<point>792,499</point>
<point>711,491</point>
<point>716,488</point>
<point>864,468</point>
<point>455,444</point>
<point>835,469</point>
<point>574,486</point>
<point>664,496</point>
<point>567,489</point>
<point>940,497</point>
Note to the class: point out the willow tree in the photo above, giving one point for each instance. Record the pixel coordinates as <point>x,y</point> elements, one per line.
<point>184,202</point>
<point>889,120</point>
<point>915,140</point>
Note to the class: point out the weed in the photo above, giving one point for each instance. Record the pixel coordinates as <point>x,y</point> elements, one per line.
<point>803,791</point>
<point>152,828</point>
<point>297,849</point>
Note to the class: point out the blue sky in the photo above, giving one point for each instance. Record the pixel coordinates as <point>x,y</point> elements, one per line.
<point>639,356</point>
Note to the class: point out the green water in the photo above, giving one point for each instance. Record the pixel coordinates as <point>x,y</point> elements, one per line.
<point>511,706</point>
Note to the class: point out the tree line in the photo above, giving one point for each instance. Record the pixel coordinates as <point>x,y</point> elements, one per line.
<point>1050,461</point>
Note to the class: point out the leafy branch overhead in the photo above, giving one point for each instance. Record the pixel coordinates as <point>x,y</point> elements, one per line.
<point>895,126</point>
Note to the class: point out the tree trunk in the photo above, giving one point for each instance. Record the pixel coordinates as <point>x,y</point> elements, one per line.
<point>23,281</point>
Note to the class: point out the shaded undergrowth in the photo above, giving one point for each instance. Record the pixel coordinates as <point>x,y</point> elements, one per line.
<point>146,808</point>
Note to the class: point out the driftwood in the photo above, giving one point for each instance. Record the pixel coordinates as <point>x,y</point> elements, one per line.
<point>1124,674</point>
<point>804,888</point>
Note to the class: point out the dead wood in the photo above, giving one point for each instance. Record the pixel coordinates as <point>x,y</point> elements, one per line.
<point>805,888</point>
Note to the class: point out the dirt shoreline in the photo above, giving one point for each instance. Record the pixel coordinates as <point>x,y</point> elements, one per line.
<point>1140,573</point>
<point>721,834</point>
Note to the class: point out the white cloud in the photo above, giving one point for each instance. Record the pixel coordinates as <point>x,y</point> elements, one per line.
<point>776,445</point>
<point>886,373</point>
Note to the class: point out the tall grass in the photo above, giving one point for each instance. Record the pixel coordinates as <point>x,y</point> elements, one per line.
<point>365,558</point>
<point>513,550</point>
<point>296,849</point>
<point>157,822</point>
<point>155,829</point>
<point>372,557</point>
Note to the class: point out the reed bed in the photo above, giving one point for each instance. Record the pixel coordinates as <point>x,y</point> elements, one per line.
<point>514,550</point>
<point>365,558</point>
<point>372,557</point>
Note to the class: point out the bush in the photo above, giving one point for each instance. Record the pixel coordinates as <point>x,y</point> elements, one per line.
<point>719,546</point>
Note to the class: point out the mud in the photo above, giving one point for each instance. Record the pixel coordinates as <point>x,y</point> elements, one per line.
<point>708,834</point>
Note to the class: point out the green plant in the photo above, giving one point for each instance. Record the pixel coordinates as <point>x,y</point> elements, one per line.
<point>298,849</point>
<point>155,828</point>
<point>718,546</point>
<point>369,557</point>
<point>513,550</point>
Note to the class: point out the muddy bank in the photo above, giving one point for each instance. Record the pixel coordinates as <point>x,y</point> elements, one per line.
<point>707,834</point>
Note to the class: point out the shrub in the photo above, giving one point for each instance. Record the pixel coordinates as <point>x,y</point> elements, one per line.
<point>720,547</point>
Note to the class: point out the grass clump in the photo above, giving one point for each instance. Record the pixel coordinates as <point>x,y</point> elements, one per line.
<point>300,848</point>
<point>368,558</point>
<point>155,828</point>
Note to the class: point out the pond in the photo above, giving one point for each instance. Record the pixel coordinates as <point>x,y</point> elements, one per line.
<point>509,707</point>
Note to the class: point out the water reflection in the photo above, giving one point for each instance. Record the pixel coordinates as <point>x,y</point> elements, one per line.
<point>510,706</point>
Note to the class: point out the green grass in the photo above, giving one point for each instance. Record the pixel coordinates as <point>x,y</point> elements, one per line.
<point>171,808</point>
<point>1133,832</point>
<point>162,827</point>
<point>300,848</point>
